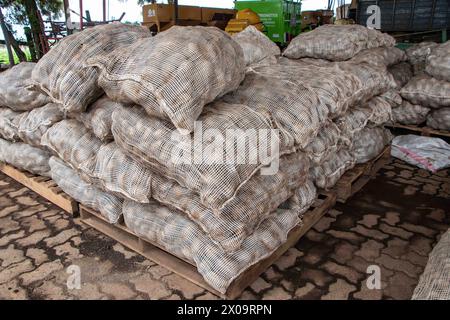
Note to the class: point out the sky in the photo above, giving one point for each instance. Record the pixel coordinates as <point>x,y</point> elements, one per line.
<point>134,11</point>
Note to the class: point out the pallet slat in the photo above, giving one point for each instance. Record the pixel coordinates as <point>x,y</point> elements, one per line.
<point>424,131</point>
<point>355,179</point>
<point>43,186</point>
<point>122,234</point>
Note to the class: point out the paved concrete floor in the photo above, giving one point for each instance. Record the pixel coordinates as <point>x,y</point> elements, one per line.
<point>392,223</point>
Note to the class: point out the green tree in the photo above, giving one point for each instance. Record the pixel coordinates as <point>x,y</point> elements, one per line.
<point>27,13</point>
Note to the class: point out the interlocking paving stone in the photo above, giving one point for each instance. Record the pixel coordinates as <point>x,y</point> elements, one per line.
<point>392,223</point>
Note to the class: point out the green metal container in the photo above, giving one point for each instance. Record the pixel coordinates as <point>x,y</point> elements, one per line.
<point>281,18</point>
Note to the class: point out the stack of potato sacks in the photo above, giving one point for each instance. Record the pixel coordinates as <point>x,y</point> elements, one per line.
<point>144,132</point>
<point>347,67</point>
<point>427,94</point>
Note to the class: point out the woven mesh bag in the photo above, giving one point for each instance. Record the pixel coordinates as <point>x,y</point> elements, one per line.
<point>409,113</point>
<point>428,92</point>
<point>438,62</point>
<point>71,183</point>
<point>9,124</point>
<point>439,119</point>
<point>256,45</point>
<point>336,42</point>
<point>302,199</point>
<point>393,97</point>
<point>338,85</point>
<point>62,72</point>
<point>25,157</point>
<point>218,167</point>
<point>74,144</point>
<point>174,74</point>
<point>98,118</point>
<point>402,73</point>
<point>176,233</point>
<point>228,227</point>
<point>374,113</point>
<point>381,56</point>
<point>369,144</point>
<point>434,282</point>
<point>35,123</point>
<point>327,141</point>
<point>333,167</point>
<point>13,89</point>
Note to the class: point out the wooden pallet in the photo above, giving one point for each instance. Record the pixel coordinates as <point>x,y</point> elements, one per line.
<point>152,251</point>
<point>423,131</point>
<point>43,186</point>
<point>355,179</point>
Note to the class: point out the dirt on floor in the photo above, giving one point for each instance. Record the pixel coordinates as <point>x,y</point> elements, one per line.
<point>390,227</point>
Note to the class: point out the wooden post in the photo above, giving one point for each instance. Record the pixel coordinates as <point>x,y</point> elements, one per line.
<point>36,30</point>
<point>81,15</point>
<point>6,36</point>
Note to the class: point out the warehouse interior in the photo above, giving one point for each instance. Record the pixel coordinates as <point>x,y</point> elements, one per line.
<point>241,150</point>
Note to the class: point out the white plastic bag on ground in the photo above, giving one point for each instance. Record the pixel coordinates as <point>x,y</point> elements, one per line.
<point>336,42</point>
<point>35,123</point>
<point>438,62</point>
<point>256,45</point>
<point>9,124</point>
<point>25,157</point>
<point>427,92</point>
<point>409,113</point>
<point>439,119</point>
<point>434,283</point>
<point>71,183</point>
<point>174,74</point>
<point>13,89</point>
<point>432,154</point>
<point>62,72</point>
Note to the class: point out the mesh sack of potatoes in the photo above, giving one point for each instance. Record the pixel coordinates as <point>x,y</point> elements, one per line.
<point>98,118</point>
<point>402,73</point>
<point>228,227</point>
<point>256,45</point>
<point>14,93</point>
<point>62,72</point>
<point>9,124</point>
<point>177,234</point>
<point>302,199</point>
<point>235,141</point>
<point>438,62</point>
<point>369,143</point>
<point>338,85</point>
<point>74,143</point>
<point>336,42</point>
<point>327,141</point>
<point>434,282</point>
<point>428,92</point>
<point>35,123</point>
<point>381,56</point>
<point>375,112</point>
<point>393,97</point>
<point>417,55</point>
<point>25,157</point>
<point>174,74</point>
<point>409,113</point>
<point>333,167</point>
<point>85,193</point>
<point>439,119</point>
